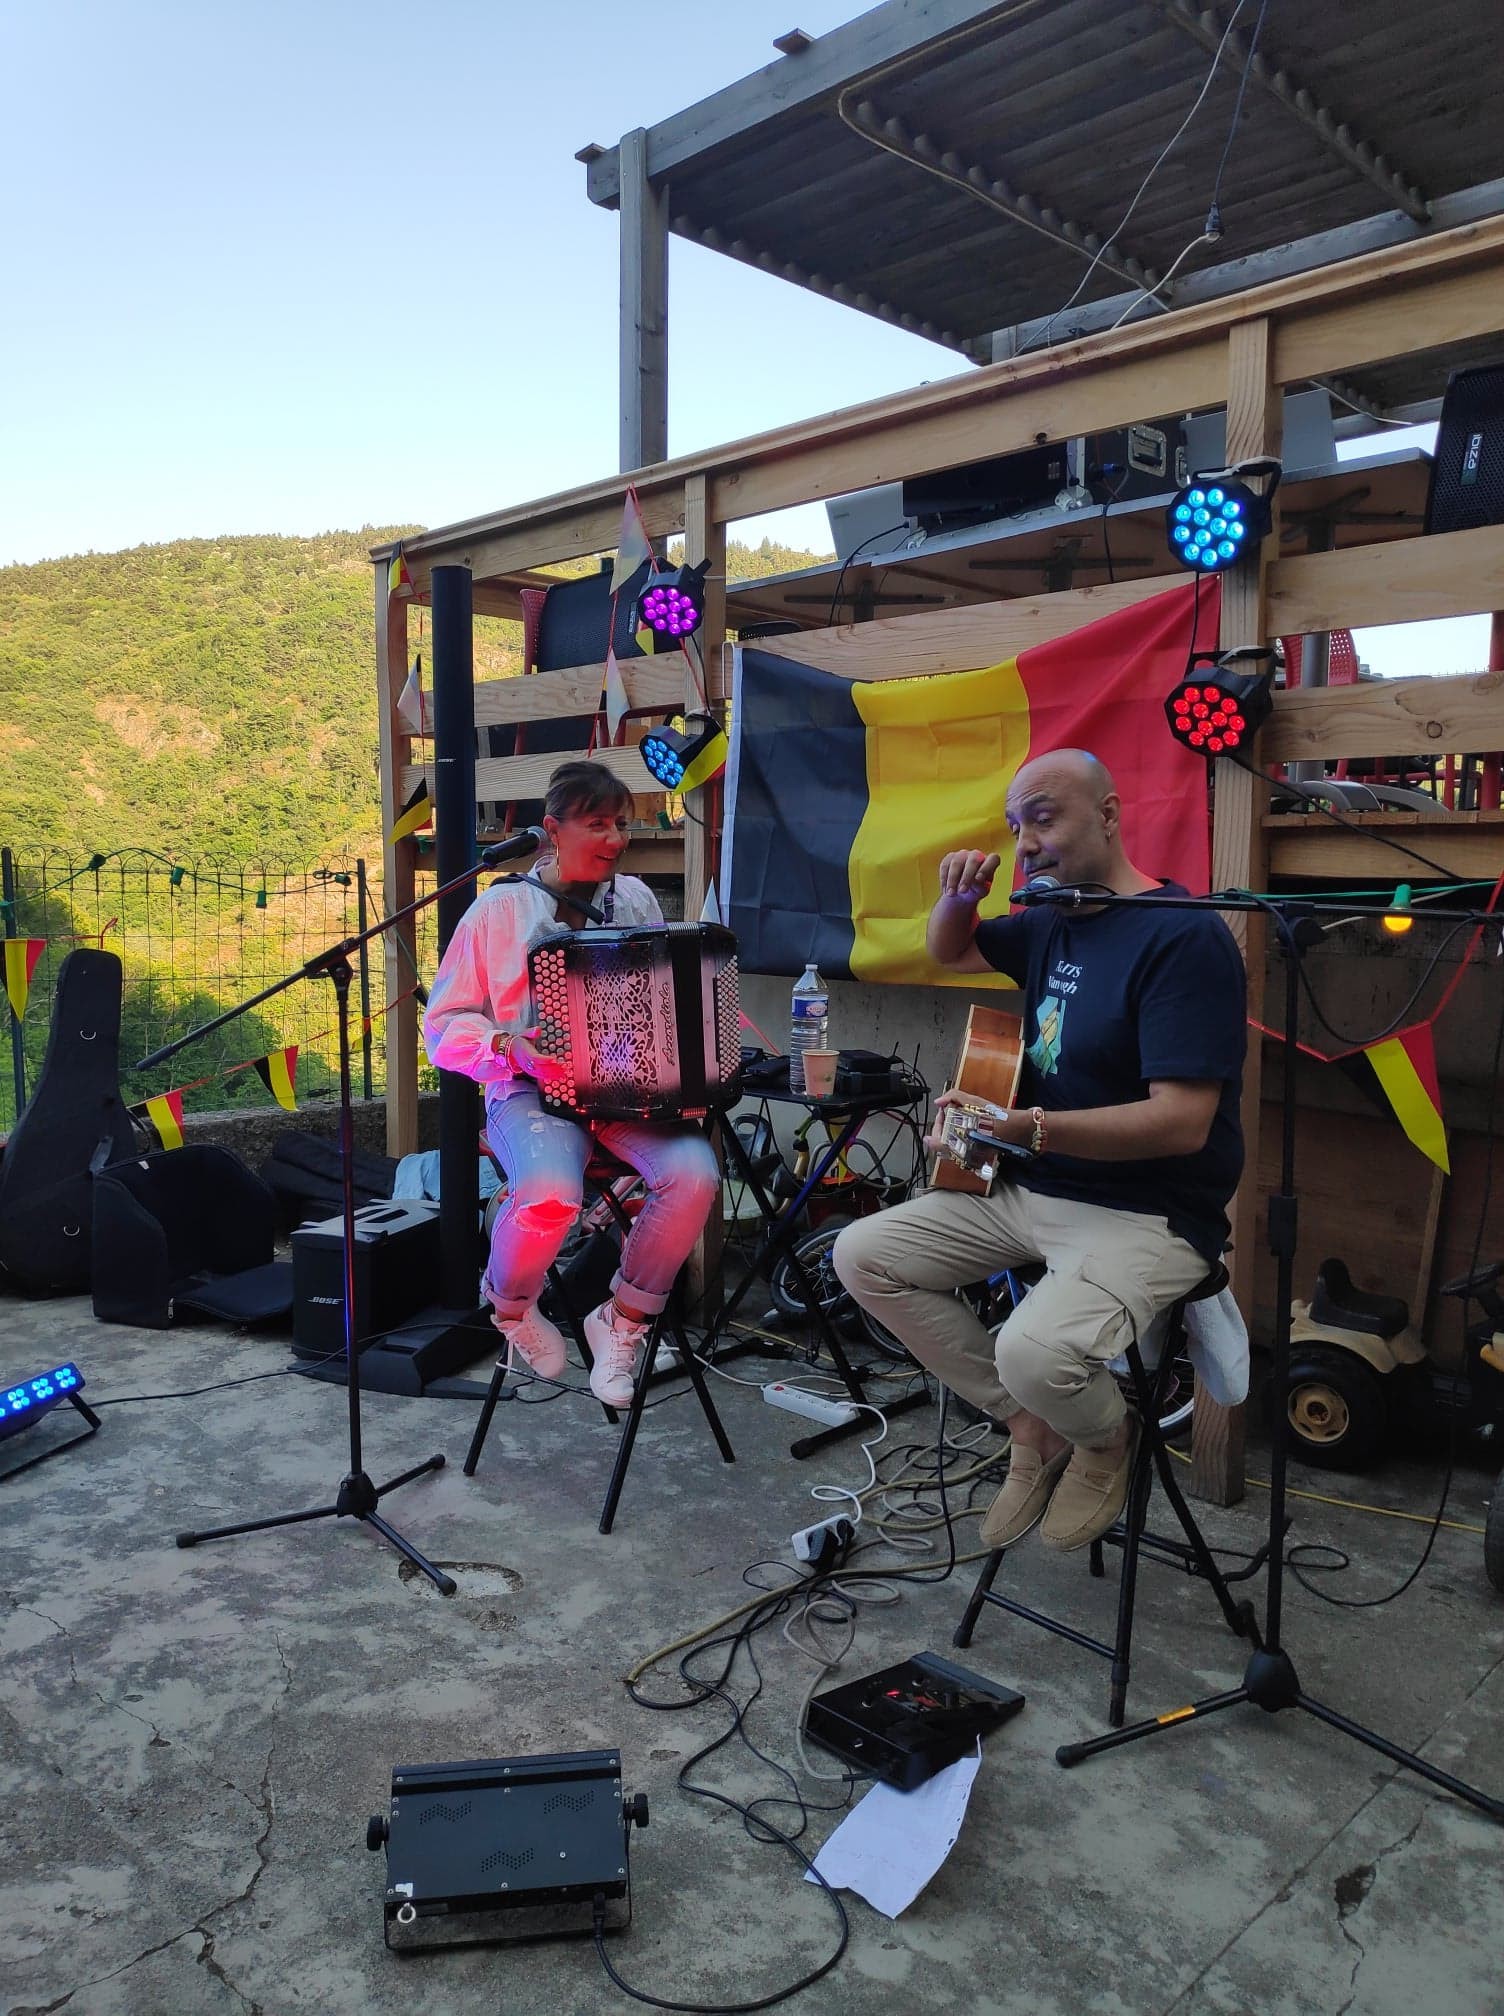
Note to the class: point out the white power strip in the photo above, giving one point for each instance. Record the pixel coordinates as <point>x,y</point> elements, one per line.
<point>811,1541</point>
<point>814,1406</point>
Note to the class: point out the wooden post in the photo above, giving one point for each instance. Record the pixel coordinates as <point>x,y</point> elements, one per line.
<point>644,309</point>
<point>1255,414</point>
<point>397,865</point>
<point>704,539</point>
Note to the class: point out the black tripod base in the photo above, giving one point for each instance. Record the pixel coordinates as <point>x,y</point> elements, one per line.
<point>1271,1683</point>
<point>357,1499</point>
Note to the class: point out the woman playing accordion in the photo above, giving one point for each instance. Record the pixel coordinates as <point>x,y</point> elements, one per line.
<point>481,1020</point>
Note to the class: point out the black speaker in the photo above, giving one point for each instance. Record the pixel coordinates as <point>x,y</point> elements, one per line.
<point>1467,476</point>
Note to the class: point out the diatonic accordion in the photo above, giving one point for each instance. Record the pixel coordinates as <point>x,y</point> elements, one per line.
<point>646,1020</point>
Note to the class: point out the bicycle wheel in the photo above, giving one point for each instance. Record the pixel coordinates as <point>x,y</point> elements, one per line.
<point>814,1251</point>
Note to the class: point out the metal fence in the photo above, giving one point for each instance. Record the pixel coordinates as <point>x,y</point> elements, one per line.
<point>194,938</point>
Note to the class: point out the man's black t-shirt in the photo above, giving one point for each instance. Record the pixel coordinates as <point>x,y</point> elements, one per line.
<point>1111,1001</point>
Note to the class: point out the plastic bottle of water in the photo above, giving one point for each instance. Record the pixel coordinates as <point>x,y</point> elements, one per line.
<point>809,1022</point>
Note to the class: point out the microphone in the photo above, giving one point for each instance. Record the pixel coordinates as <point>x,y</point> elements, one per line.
<point>1043,889</point>
<point>528,841</point>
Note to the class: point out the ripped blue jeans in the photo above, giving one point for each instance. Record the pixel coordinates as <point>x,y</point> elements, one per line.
<point>544,1156</point>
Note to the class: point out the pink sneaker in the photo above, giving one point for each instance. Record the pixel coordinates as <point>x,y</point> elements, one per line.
<point>536,1341</point>
<point>614,1343</point>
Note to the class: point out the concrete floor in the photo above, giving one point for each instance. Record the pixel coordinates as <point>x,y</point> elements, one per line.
<point>190,1742</point>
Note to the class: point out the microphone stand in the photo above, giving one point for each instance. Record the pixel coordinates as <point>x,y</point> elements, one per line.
<point>357,1497</point>
<point>1270,1681</point>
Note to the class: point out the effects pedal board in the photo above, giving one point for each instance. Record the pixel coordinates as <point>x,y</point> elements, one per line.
<point>908,1722</point>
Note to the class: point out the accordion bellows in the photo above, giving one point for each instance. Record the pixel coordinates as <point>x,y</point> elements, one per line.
<point>646,1019</point>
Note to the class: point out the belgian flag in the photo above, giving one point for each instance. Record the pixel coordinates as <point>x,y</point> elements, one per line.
<point>278,1072</point>
<point>843,795</point>
<point>415,814</point>
<point>1399,1074</point>
<point>21,956</point>
<point>164,1113</point>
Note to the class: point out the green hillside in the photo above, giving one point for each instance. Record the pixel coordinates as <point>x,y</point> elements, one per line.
<point>212,696</point>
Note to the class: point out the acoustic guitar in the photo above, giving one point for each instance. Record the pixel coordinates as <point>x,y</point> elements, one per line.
<point>987,1074</point>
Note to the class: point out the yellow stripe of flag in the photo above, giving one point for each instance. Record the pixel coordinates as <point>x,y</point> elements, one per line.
<point>940,754</point>
<point>165,1113</point>
<point>278,1072</point>
<point>21,956</point>
<point>1405,1066</point>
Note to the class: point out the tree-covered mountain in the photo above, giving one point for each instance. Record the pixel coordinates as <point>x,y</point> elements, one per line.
<point>211,696</point>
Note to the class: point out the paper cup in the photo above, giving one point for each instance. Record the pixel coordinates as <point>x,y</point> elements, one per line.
<point>820,1072</point>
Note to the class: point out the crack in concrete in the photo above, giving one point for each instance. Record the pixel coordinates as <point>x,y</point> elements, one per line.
<point>1351,1891</point>
<point>158,1740</point>
<point>286,1667</point>
<point>46,2008</point>
<point>1284,1891</point>
<point>266,1803</point>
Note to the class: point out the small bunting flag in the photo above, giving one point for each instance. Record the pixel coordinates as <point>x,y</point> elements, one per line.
<point>412,706</point>
<point>278,1072</point>
<point>415,814</point>
<point>398,579</point>
<point>633,546</point>
<point>165,1113</point>
<point>615,693</point>
<point>1400,1073</point>
<point>21,956</point>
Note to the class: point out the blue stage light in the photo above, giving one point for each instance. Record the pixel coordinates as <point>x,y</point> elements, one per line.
<point>21,1404</point>
<point>1213,524</point>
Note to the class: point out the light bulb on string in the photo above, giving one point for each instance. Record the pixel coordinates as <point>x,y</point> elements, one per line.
<point>1398,918</point>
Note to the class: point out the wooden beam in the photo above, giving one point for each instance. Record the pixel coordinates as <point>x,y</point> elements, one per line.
<point>880,35</point>
<point>1388,717</point>
<point>704,539</point>
<point>400,1027</point>
<point>956,640</point>
<point>1255,416</point>
<point>585,520</point>
<point>1304,844</point>
<point>576,689</point>
<point>1415,311</point>
<point>509,777</point>
<point>1401,581</point>
<point>1091,396</point>
<point>644,308</point>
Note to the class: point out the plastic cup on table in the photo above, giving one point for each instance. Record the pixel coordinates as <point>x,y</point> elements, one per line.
<point>820,1072</point>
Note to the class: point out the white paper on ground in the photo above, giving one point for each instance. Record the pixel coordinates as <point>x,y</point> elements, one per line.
<point>891,1844</point>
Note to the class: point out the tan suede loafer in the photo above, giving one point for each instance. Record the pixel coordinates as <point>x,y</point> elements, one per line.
<point>1090,1496</point>
<point>1025,1494</point>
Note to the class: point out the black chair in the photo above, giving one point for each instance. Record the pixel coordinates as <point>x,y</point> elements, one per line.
<point>188,1229</point>
<point>602,1175</point>
<point>1192,1554</point>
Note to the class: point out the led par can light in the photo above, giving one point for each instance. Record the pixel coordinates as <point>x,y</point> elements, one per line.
<point>682,759</point>
<point>1219,518</point>
<point>672,602</point>
<point>1218,712</point>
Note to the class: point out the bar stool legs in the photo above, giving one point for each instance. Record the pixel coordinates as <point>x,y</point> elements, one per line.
<point>664,1326</point>
<point>1130,1534</point>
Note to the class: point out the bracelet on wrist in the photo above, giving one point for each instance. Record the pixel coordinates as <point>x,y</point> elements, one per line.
<point>501,1046</point>
<point>1041,1134</point>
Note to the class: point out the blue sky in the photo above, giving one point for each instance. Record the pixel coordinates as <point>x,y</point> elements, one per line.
<point>288,265</point>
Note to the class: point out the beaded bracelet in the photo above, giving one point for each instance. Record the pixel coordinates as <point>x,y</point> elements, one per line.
<point>1041,1132</point>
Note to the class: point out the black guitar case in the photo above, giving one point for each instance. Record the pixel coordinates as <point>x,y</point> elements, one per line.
<point>74,1122</point>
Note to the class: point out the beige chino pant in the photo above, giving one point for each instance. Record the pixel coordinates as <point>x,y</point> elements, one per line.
<point>1110,1273</point>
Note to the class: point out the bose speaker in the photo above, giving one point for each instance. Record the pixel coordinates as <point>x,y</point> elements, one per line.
<point>1467,476</point>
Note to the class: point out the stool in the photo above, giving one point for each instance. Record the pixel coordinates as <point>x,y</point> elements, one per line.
<point>1129,1533</point>
<point>602,1174</point>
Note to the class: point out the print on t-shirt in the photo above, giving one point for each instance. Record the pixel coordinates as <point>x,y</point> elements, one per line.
<point>1044,1052</point>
